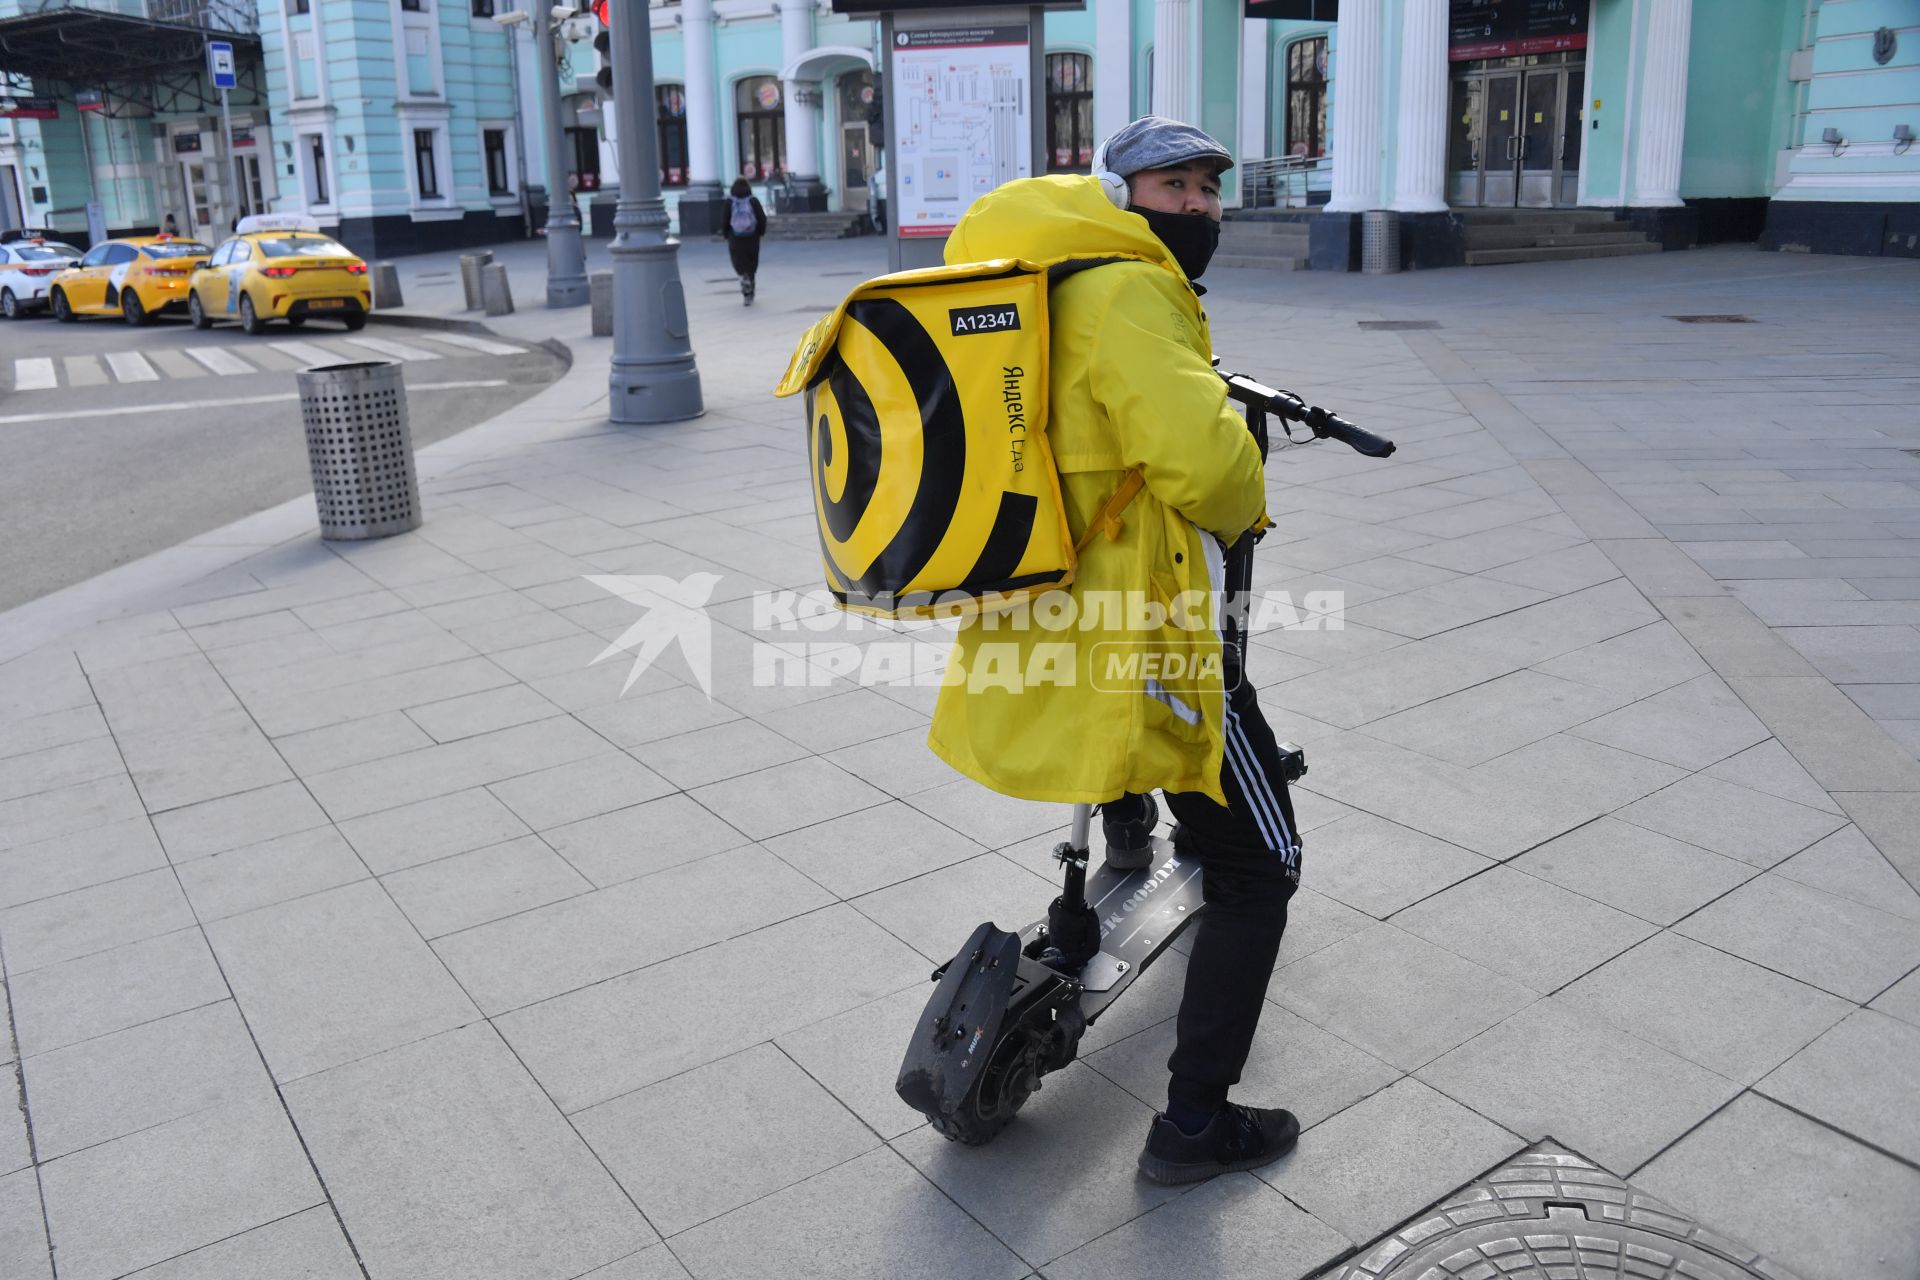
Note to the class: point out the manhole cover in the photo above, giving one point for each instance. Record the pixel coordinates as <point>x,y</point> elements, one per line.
<point>1712,319</point>
<point>1549,1215</point>
<point>1398,326</point>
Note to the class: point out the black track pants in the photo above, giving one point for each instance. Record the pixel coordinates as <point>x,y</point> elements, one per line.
<point>1249,854</point>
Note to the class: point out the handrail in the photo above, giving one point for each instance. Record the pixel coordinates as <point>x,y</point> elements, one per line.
<point>1277,181</point>
<point>210,15</point>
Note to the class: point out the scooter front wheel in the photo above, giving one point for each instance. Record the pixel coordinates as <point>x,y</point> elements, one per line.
<point>1002,1089</point>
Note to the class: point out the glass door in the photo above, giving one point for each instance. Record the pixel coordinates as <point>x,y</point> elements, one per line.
<point>1500,148</point>
<point>853,167</point>
<point>1573,120</point>
<point>246,174</point>
<point>1464,125</point>
<point>193,174</point>
<point>1539,140</point>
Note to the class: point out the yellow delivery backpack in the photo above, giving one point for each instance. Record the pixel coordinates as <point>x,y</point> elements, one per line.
<point>933,484</point>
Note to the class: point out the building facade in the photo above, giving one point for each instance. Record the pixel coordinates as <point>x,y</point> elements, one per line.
<point>409,125</point>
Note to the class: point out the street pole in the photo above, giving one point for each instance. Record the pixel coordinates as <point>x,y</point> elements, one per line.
<point>230,186</point>
<point>653,378</point>
<point>566,256</point>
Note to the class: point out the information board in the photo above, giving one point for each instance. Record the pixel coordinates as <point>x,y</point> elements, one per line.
<point>960,120</point>
<point>1508,28</point>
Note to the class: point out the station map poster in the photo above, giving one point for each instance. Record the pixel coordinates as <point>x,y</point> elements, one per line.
<point>1509,28</point>
<point>960,120</point>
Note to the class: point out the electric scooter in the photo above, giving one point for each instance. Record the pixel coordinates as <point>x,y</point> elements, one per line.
<point>1010,1008</point>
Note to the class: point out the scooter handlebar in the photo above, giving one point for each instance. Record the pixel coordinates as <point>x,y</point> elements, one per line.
<point>1290,408</point>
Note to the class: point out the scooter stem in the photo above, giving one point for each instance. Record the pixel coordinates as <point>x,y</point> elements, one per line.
<point>1082,827</point>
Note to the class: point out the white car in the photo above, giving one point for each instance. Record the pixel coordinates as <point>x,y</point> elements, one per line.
<point>27,269</point>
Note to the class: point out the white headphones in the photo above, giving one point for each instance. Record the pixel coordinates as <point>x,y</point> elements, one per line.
<point>1111,183</point>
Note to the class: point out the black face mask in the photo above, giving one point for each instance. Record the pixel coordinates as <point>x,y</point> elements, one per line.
<point>1190,237</point>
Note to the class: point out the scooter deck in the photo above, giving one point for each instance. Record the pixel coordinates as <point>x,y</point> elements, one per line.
<point>1141,913</point>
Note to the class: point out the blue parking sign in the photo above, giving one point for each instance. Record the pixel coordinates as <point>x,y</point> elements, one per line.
<point>220,64</point>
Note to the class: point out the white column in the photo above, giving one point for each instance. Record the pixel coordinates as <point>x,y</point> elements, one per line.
<point>1421,133</point>
<point>1358,50</point>
<point>1253,89</point>
<point>1173,60</point>
<point>1661,119</point>
<point>1112,67</point>
<point>703,98</point>
<point>802,120</point>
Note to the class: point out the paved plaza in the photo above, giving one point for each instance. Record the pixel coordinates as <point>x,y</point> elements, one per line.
<point>355,923</point>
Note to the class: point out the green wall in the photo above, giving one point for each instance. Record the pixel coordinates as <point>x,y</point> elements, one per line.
<point>1736,77</point>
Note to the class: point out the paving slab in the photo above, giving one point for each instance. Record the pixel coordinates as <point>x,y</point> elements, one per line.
<point>934,913</point>
<point>226,884</point>
<point>1235,1228</point>
<point>1380,867</point>
<point>430,829</point>
<point>333,977</point>
<point>145,1076</point>
<point>1828,942</point>
<point>723,1135</point>
<point>144,1198</point>
<point>1387,1156</point>
<point>612,1037</point>
<point>1863,1078</point>
<point>230,822</point>
<point>856,1056</point>
<point>469,889</point>
<point>541,953</point>
<point>1397,996</point>
<point>725,751</point>
<point>1756,829</point>
<point>76,1000</point>
<point>874,1215</point>
<point>1902,999</point>
<point>1638,871</point>
<point>85,921</point>
<point>1544,1071</point>
<point>305,1246</point>
<point>1803,1193</point>
<point>23,1228</point>
<point>447,1162</point>
<point>580,790</point>
<point>872,848</point>
<point>1847,865</point>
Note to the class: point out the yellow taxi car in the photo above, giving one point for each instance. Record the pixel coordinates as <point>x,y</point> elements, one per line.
<point>135,278</point>
<point>278,266</point>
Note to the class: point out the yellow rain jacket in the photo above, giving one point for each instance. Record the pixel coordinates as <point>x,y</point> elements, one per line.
<point>1132,386</point>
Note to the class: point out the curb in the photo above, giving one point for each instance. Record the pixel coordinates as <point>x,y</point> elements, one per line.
<point>419,320</point>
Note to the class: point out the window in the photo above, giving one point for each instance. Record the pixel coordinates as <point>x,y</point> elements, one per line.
<point>586,156</point>
<point>483,8</point>
<point>96,256</point>
<point>299,6</point>
<point>413,6</point>
<point>119,253</point>
<point>1069,111</point>
<point>670,121</point>
<point>499,179</point>
<point>317,168</point>
<point>761,122</point>
<point>1307,97</point>
<point>424,171</point>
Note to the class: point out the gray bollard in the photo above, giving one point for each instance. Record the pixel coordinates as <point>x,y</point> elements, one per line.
<point>600,290</point>
<point>386,286</point>
<point>470,264</point>
<point>496,297</point>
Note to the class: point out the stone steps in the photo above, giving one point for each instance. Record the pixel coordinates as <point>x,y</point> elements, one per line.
<point>1499,237</point>
<point>1557,253</point>
<point>814,226</point>
<point>1263,245</point>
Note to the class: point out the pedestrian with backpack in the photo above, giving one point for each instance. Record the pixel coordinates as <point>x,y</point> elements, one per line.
<point>746,224</point>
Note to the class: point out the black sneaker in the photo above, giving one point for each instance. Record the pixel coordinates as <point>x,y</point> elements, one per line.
<point>1130,840</point>
<point>1236,1138</point>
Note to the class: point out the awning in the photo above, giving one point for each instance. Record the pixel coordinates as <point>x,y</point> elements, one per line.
<point>93,46</point>
<point>1299,10</point>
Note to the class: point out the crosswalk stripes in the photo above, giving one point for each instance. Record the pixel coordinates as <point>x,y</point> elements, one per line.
<point>397,350</point>
<point>306,352</point>
<point>485,346</point>
<point>131,366</point>
<point>220,360</point>
<point>164,363</point>
<point>83,371</point>
<point>34,374</point>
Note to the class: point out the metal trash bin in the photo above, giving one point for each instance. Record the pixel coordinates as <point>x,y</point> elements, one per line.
<point>1379,242</point>
<point>470,264</point>
<point>360,449</point>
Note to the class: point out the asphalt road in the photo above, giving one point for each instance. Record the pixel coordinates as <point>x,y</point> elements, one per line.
<point>118,441</point>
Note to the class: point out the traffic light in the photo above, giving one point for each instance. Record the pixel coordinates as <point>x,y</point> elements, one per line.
<point>603,46</point>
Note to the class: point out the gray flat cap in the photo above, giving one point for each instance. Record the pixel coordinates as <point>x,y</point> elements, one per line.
<point>1155,142</point>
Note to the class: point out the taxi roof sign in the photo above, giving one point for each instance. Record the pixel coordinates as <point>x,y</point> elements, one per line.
<point>256,222</point>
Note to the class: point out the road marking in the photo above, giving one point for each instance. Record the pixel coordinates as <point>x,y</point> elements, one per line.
<point>471,343</point>
<point>398,350</point>
<point>307,353</point>
<point>34,374</point>
<point>183,405</point>
<point>131,366</point>
<point>224,363</point>
<point>84,371</point>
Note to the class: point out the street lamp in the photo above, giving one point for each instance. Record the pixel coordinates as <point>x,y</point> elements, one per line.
<point>566,256</point>
<point>653,378</point>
